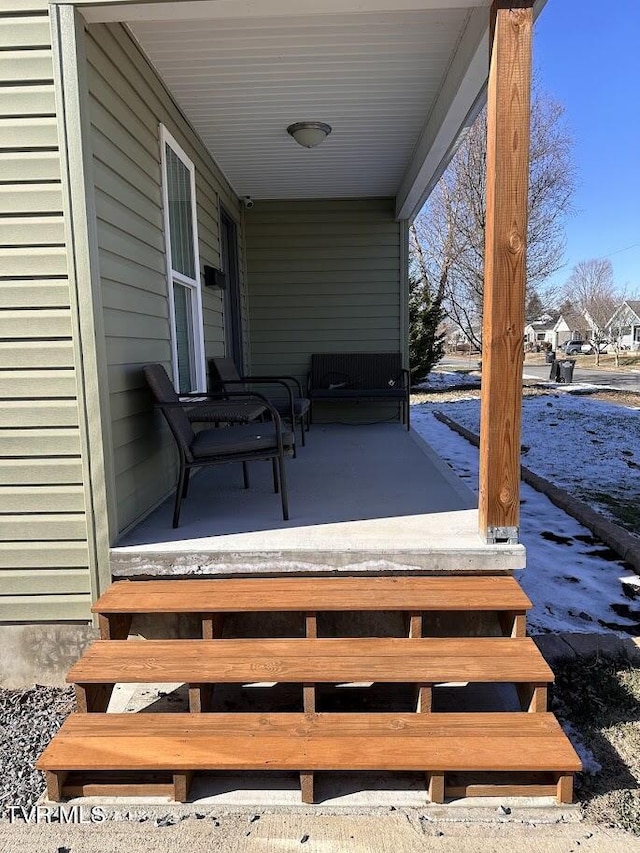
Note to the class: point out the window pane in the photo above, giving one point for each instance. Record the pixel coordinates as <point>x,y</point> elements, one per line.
<point>182,302</point>
<point>180,219</point>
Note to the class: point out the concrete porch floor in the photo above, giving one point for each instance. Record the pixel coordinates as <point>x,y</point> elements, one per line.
<point>362,498</point>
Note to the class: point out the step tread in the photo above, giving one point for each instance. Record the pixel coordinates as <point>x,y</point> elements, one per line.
<point>434,742</point>
<point>486,659</point>
<point>313,594</point>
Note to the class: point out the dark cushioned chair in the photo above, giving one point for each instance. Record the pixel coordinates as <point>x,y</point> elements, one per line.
<point>242,442</point>
<point>224,376</point>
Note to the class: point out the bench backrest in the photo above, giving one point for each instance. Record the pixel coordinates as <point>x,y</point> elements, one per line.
<point>366,370</point>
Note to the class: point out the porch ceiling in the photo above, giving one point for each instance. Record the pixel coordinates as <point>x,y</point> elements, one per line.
<point>384,75</point>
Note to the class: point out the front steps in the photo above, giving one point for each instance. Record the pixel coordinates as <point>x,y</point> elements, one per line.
<point>479,753</point>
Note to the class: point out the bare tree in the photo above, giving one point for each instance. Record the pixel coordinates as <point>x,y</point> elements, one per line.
<point>591,289</point>
<point>451,226</point>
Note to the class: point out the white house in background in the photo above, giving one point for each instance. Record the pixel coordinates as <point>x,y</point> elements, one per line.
<point>624,326</point>
<point>540,331</point>
<point>572,326</point>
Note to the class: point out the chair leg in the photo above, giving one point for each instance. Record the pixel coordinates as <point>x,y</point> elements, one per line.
<point>274,465</point>
<point>245,474</point>
<point>283,488</point>
<point>180,492</point>
<point>185,490</point>
<point>302,430</point>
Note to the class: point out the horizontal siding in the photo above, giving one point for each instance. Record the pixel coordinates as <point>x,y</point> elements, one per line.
<point>25,66</point>
<point>324,276</point>
<point>127,102</point>
<point>46,555</point>
<point>70,607</point>
<point>53,581</point>
<point>56,471</point>
<point>43,527</point>
<point>30,165</point>
<point>43,531</point>
<point>32,498</point>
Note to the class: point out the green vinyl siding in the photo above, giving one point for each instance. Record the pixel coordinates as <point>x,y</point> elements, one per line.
<point>127,104</point>
<point>324,276</point>
<point>44,558</point>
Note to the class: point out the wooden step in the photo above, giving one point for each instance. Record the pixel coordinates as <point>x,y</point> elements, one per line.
<point>181,744</point>
<point>310,595</point>
<point>311,661</point>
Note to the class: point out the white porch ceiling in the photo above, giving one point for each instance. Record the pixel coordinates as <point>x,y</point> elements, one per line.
<point>374,77</point>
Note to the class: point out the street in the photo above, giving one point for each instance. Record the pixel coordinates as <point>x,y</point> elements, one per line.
<point>626,381</point>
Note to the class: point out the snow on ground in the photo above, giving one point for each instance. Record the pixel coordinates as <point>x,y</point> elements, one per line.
<point>588,447</point>
<point>572,579</point>
<point>440,380</point>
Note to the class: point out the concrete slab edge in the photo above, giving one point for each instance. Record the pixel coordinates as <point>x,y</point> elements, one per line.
<point>625,544</point>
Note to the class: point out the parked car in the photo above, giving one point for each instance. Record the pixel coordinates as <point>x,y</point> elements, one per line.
<point>573,347</point>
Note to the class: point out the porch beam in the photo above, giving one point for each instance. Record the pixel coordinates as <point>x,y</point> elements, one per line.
<point>106,11</point>
<point>460,98</point>
<point>507,180</point>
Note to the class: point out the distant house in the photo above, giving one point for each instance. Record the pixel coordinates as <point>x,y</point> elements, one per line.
<point>572,326</point>
<point>624,325</point>
<point>539,332</point>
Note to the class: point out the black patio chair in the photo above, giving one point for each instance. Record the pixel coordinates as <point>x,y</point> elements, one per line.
<point>224,376</point>
<point>243,441</point>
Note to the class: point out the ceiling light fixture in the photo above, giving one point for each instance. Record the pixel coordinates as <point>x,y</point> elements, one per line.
<point>309,133</point>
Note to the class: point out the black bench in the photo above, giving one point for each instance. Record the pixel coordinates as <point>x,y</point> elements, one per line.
<point>342,377</point>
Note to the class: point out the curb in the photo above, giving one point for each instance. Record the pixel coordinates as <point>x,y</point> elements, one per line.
<point>617,538</point>
<point>559,647</point>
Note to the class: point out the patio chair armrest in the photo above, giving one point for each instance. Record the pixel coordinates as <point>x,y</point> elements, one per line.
<point>279,380</point>
<point>206,404</point>
<point>265,380</point>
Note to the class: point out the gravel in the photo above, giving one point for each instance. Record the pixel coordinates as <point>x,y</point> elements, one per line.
<point>28,720</point>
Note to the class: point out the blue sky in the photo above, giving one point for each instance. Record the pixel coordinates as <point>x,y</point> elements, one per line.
<point>587,56</point>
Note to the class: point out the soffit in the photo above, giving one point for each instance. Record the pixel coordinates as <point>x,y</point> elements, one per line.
<point>373,77</point>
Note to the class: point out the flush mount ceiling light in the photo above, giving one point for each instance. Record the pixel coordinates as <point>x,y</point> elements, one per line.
<point>309,133</point>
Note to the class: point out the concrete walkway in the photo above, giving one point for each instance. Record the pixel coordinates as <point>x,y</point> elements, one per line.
<point>390,832</point>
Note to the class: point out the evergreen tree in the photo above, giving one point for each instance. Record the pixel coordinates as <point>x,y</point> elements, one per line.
<point>426,343</point>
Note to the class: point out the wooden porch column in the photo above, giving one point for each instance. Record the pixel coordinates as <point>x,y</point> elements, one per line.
<point>507,179</point>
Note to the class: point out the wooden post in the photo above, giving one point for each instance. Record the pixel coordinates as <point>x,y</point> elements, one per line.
<point>181,785</point>
<point>564,789</point>
<point>55,784</point>
<point>114,626</point>
<point>93,698</point>
<point>436,788</point>
<point>507,180</point>
<point>307,786</point>
<point>212,626</point>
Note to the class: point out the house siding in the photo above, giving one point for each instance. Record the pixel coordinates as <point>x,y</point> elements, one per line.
<point>127,103</point>
<point>44,557</point>
<point>324,276</point>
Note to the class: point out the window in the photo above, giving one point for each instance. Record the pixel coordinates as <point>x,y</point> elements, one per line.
<point>183,274</point>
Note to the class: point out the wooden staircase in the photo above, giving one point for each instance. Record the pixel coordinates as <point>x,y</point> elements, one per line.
<point>476,753</point>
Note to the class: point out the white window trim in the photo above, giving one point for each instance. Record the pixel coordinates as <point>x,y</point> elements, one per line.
<point>195,284</point>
